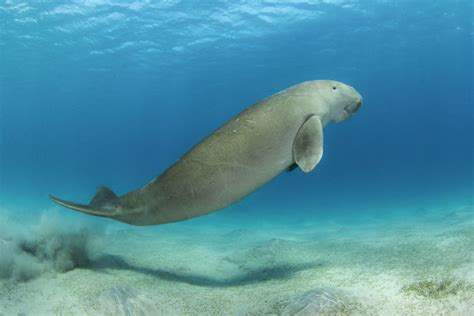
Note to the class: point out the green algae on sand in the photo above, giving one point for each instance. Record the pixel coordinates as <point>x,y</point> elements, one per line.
<point>436,289</point>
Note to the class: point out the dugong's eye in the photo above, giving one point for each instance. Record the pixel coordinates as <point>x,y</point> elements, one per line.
<point>334,88</point>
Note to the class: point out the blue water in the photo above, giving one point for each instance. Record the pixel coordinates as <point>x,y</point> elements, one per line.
<point>112,92</point>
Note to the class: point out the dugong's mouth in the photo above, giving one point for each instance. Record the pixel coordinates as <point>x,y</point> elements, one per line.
<point>352,108</point>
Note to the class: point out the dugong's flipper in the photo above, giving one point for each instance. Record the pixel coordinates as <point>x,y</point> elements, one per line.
<point>308,144</point>
<point>100,205</point>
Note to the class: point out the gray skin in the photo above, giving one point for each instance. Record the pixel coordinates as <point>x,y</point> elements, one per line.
<point>279,133</point>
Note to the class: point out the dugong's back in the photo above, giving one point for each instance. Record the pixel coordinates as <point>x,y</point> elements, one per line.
<point>235,160</point>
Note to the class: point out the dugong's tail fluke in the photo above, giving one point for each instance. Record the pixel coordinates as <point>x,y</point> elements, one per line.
<point>100,205</point>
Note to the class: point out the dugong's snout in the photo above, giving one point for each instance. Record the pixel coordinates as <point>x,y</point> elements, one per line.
<point>354,107</point>
<point>355,101</point>
<point>346,104</point>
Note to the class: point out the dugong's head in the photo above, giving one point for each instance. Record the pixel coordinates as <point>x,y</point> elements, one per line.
<point>340,100</point>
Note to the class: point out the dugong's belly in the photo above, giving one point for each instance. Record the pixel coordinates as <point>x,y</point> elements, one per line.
<point>234,161</point>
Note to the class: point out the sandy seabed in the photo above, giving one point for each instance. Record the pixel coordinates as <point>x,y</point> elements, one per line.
<point>418,264</point>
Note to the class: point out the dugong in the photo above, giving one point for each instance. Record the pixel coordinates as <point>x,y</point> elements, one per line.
<point>281,132</point>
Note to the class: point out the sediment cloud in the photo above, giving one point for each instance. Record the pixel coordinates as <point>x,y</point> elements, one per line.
<point>51,245</point>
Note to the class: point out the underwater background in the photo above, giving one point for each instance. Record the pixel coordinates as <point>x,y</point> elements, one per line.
<point>111,92</point>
